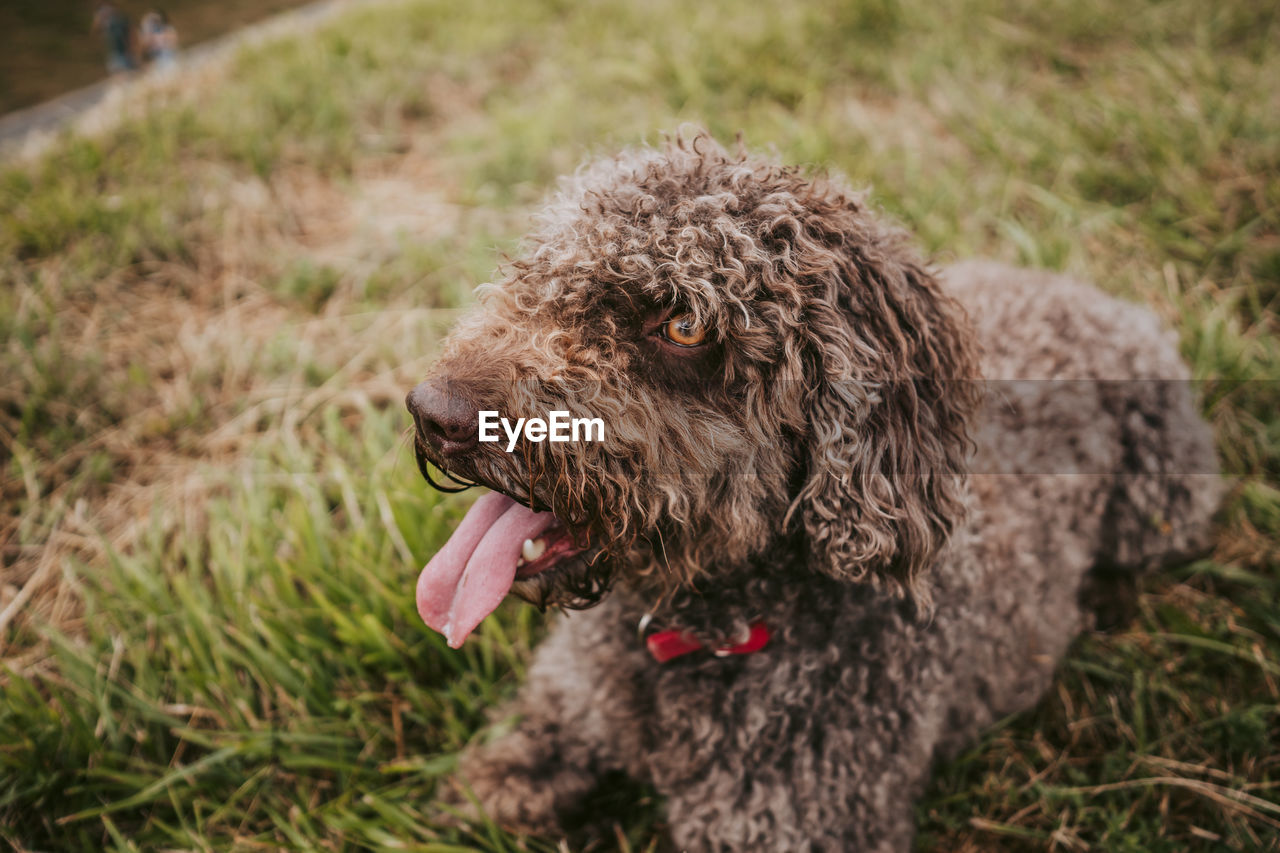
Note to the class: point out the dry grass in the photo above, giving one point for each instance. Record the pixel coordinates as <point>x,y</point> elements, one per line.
<point>209,336</point>
<point>210,315</point>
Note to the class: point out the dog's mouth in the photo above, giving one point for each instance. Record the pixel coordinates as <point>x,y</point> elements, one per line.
<point>498,543</point>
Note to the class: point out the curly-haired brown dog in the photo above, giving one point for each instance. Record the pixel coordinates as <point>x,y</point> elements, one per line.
<point>798,454</point>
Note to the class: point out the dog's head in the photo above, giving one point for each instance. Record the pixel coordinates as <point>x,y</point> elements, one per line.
<point>773,370</point>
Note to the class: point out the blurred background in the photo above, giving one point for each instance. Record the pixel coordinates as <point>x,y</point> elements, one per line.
<point>51,47</point>
<point>215,293</point>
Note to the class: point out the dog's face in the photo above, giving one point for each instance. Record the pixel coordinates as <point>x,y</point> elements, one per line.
<point>769,366</point>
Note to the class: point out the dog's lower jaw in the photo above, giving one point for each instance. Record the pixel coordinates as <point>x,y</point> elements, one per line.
<point>579,583</point>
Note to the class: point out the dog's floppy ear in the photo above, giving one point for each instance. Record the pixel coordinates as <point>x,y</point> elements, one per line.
<point>890,376</point>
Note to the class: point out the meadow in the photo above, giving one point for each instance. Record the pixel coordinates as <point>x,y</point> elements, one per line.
<point>210,314</point>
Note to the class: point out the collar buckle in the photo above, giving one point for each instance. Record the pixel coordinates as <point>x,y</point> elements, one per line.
<point>669,644</point>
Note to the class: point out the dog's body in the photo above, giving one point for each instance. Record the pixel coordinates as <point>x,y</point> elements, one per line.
<point>824,738</point>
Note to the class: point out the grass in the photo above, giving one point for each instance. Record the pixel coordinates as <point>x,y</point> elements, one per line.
<point>210,315</point>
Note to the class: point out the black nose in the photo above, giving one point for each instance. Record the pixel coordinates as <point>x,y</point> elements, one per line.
<point>444,415</point>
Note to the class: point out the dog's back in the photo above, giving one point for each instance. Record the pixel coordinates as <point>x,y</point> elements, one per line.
<point>1091,415</point>
<point>1082,383</point>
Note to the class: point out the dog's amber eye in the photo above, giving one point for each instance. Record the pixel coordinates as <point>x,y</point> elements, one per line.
<point>684,331</point>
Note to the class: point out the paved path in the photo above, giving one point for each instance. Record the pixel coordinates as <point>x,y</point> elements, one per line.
<point>50,115</point>
<point>18,128</point>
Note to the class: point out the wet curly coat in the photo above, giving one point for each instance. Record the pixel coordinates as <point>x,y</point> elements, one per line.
<point>826,461</point>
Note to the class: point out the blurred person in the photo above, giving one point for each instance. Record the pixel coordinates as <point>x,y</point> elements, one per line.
<point>159,40</point>
<point>109,20</point>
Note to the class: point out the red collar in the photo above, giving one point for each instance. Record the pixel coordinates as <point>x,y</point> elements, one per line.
<point>674,642</point>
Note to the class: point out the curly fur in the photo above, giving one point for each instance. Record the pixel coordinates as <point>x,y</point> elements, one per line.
<point>826,463</point>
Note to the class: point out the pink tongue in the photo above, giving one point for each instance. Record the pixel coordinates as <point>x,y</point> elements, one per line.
<point>468,578</point>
